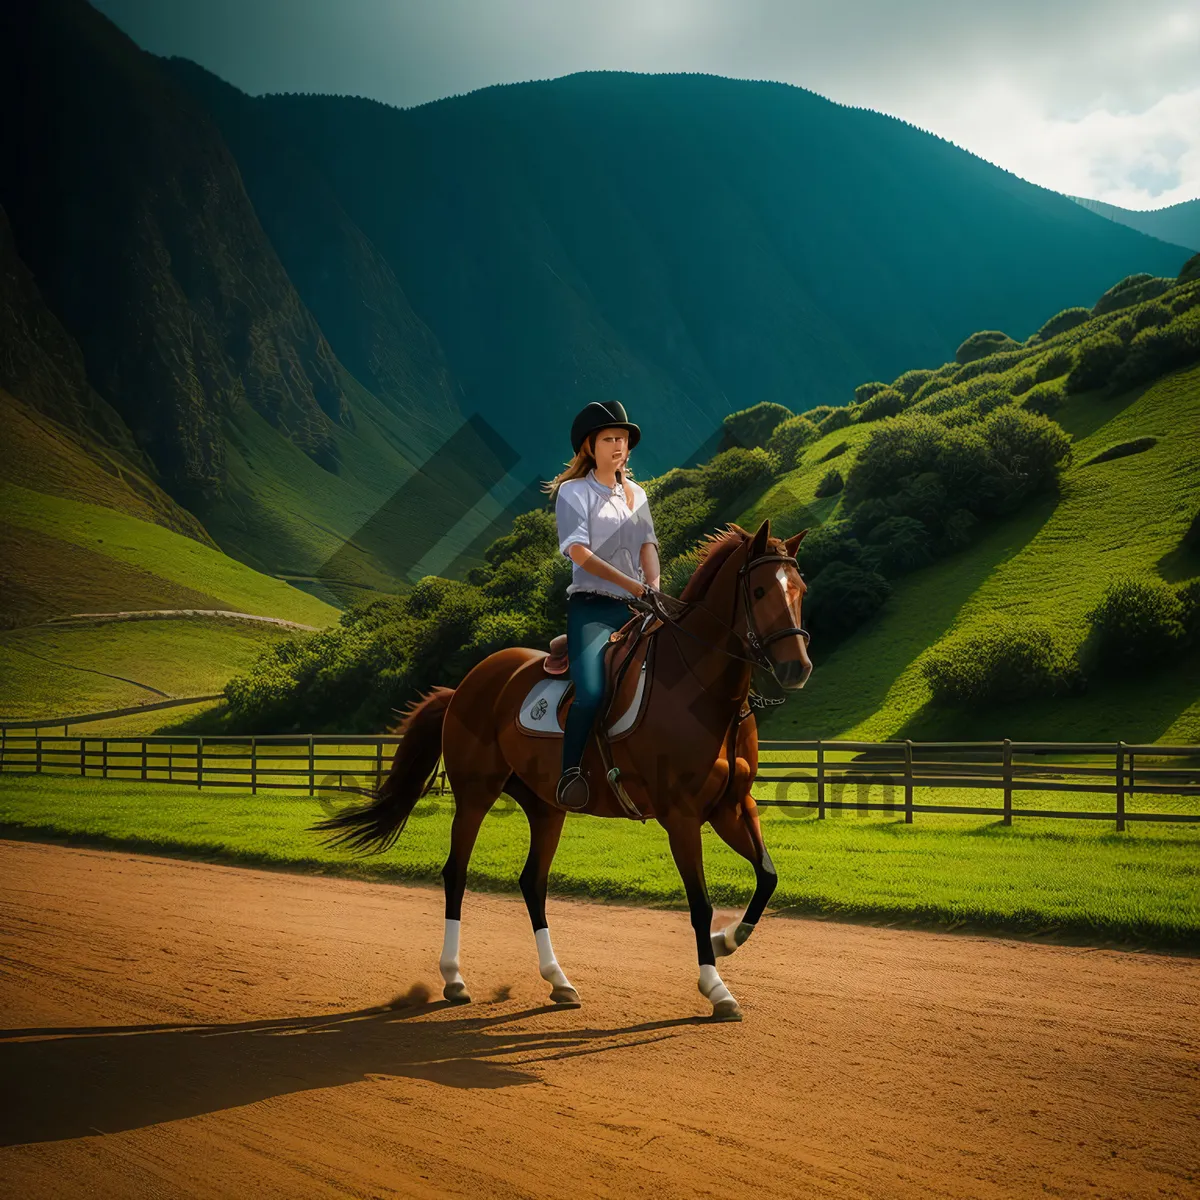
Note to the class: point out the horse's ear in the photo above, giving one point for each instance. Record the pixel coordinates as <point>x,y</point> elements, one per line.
<point>793,543</point>
<point>759,545</point>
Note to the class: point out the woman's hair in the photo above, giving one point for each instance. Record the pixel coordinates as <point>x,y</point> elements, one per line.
<point>583,461</point>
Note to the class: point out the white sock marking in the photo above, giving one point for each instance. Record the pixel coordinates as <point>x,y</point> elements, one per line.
<point>448,963</point>
<point>551,972</point>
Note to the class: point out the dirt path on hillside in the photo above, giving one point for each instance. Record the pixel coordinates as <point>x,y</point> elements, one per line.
<point>168,614</point>
<point>180,1029</point>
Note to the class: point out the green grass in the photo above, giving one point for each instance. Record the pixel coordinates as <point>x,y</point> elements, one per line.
<point>155,552</point>
<point>1051,562</point>
<point>50,670</point>
<point>1081,878</point>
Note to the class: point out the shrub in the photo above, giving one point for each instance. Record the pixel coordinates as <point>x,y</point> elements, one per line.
<point>831,542</point>
<point>818,414</point>
<point>682,522</point>
<point>733,473</point>
<point>1147,315</point>
<point>1055,364</point>
<point>934,384</point>
<point>865,391</point>
<point>886,402</point>
<point>1190,270</point>
<point>983,343</point>
<point>1136,623</point>
<point>1161,349</point>
<point>673,481</point>
<point>1027,449</point>
<point>908,383</point>
<point>839,418</point>
<point>752,427</point>
<point>1061,322</point>
<point>788,440</point>
<point>831,483</point>
<point>1098,359</point>
<point>1020,384</point>
<point>1133,289</point>
<point>1045,399</point>
<point>843,597</point>
<point>990,364</point>
<point>896,545</point>
<point>1001,663</point>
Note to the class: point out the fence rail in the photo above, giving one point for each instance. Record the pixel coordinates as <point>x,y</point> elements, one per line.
<point>824,769</point>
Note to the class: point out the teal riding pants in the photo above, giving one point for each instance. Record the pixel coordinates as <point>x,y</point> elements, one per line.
<point>590,619</point>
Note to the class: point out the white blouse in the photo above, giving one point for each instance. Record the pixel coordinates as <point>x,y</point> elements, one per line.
<point>590,514</point>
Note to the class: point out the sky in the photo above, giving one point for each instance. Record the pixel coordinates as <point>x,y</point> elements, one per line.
<point>1094,98</point>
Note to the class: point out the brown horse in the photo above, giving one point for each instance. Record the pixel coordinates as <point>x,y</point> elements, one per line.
<point>691,758</point>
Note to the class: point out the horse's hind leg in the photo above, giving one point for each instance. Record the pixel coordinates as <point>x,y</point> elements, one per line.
<point>545,828</point>
<point>473,798</point>
<point>743,833</point>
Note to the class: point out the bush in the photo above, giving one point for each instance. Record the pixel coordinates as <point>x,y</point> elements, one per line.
<point>1020,384</point>
<point>1027,450</point>
<point>908,383</point>
<point>673,481</point>
<point>837,419</point>
<point>788,441</point>
<point>1133,289</point>
<point>991,364</point>
<point>1061,322</point>
<point>983,343</point>
<point>1045,399</point>
<point>733,473</point>
<point>886,402</point>
<point>1136,623</point>
<point>1147,315</point>
<point>865,391</point>
<point>1097,360</point>
<point>1056,364</point>
<point>842,597</point>
<point>829,543</point>
<point>1160,349</point>
<point>831,483</point>
<point>1190,270</point>
<point>897,545</point>
<point>752,427</point>
<point>1003,663</point>
<point>683,522</point>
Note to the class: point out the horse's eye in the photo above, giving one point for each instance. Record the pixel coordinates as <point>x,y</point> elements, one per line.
<point>759,593</point>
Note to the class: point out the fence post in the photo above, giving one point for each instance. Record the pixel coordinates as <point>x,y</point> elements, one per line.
<point>1008,781</point>
<point>4,744</point>
<point>312,767</point>
<point>1120,787</point>
<point>104,758</point>
<point>1131,773</point>
<point>170,762</point>
<point>199,763</point>
<point>254,766</point>
<point>908,781</point>
<point>83,756</point>
<point>38,768</point>
<point>820,780</point>
<point>144,763</point>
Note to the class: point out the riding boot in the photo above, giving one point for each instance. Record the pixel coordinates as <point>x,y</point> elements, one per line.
<point>572,790</point>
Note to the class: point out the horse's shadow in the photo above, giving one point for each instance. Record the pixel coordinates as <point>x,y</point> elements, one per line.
<point>71,1082</point>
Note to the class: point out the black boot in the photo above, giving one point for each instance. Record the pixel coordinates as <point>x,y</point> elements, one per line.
<point>572,790</point>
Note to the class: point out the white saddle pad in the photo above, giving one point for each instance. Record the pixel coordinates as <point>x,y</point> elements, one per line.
<point>538,709</point>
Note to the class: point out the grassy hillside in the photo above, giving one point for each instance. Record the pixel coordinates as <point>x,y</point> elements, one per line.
<point>91,668</point>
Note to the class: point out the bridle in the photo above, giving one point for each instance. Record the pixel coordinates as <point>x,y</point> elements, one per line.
<point>754,642</point>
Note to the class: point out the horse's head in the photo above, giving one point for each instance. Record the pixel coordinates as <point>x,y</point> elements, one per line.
<point>772,592</point>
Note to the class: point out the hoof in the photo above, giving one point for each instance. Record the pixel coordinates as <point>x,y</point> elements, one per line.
<point>565,996</point>
<point>727,1010</point>
<point>457,993</point>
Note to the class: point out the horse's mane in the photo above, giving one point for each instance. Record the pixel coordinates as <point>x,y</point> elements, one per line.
<point>712,553</point>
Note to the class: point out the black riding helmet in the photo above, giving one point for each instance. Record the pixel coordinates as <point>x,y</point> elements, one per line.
<point>595,416</point>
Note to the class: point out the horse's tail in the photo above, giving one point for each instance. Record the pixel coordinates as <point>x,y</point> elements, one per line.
<point>375,827</point>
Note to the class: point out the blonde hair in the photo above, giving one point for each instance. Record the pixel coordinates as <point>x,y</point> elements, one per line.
<point>582,462</point>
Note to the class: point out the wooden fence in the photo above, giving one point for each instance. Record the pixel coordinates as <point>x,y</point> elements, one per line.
<point>905,772</point>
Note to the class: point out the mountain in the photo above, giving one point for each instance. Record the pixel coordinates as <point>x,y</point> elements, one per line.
<point>1178,223</point>
<point>201,359</point>
<point>691,245</point>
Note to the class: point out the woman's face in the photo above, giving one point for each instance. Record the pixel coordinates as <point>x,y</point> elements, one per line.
<point>611,448</point>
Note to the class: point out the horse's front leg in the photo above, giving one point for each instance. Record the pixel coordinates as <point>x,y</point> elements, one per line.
<point>741,831</point>
<point>683,833</point>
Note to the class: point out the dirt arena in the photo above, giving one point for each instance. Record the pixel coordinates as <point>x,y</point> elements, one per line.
<point>179,1029</point>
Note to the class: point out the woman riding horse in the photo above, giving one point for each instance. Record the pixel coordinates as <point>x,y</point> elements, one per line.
<point>689,760</point>
<point>605,529</point>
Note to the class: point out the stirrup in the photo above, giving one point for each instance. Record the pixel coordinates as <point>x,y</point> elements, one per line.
<point>572,790</point>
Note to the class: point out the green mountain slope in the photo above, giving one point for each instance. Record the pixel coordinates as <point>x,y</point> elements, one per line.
<point>688,244</point>
<point>1178,223</point>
